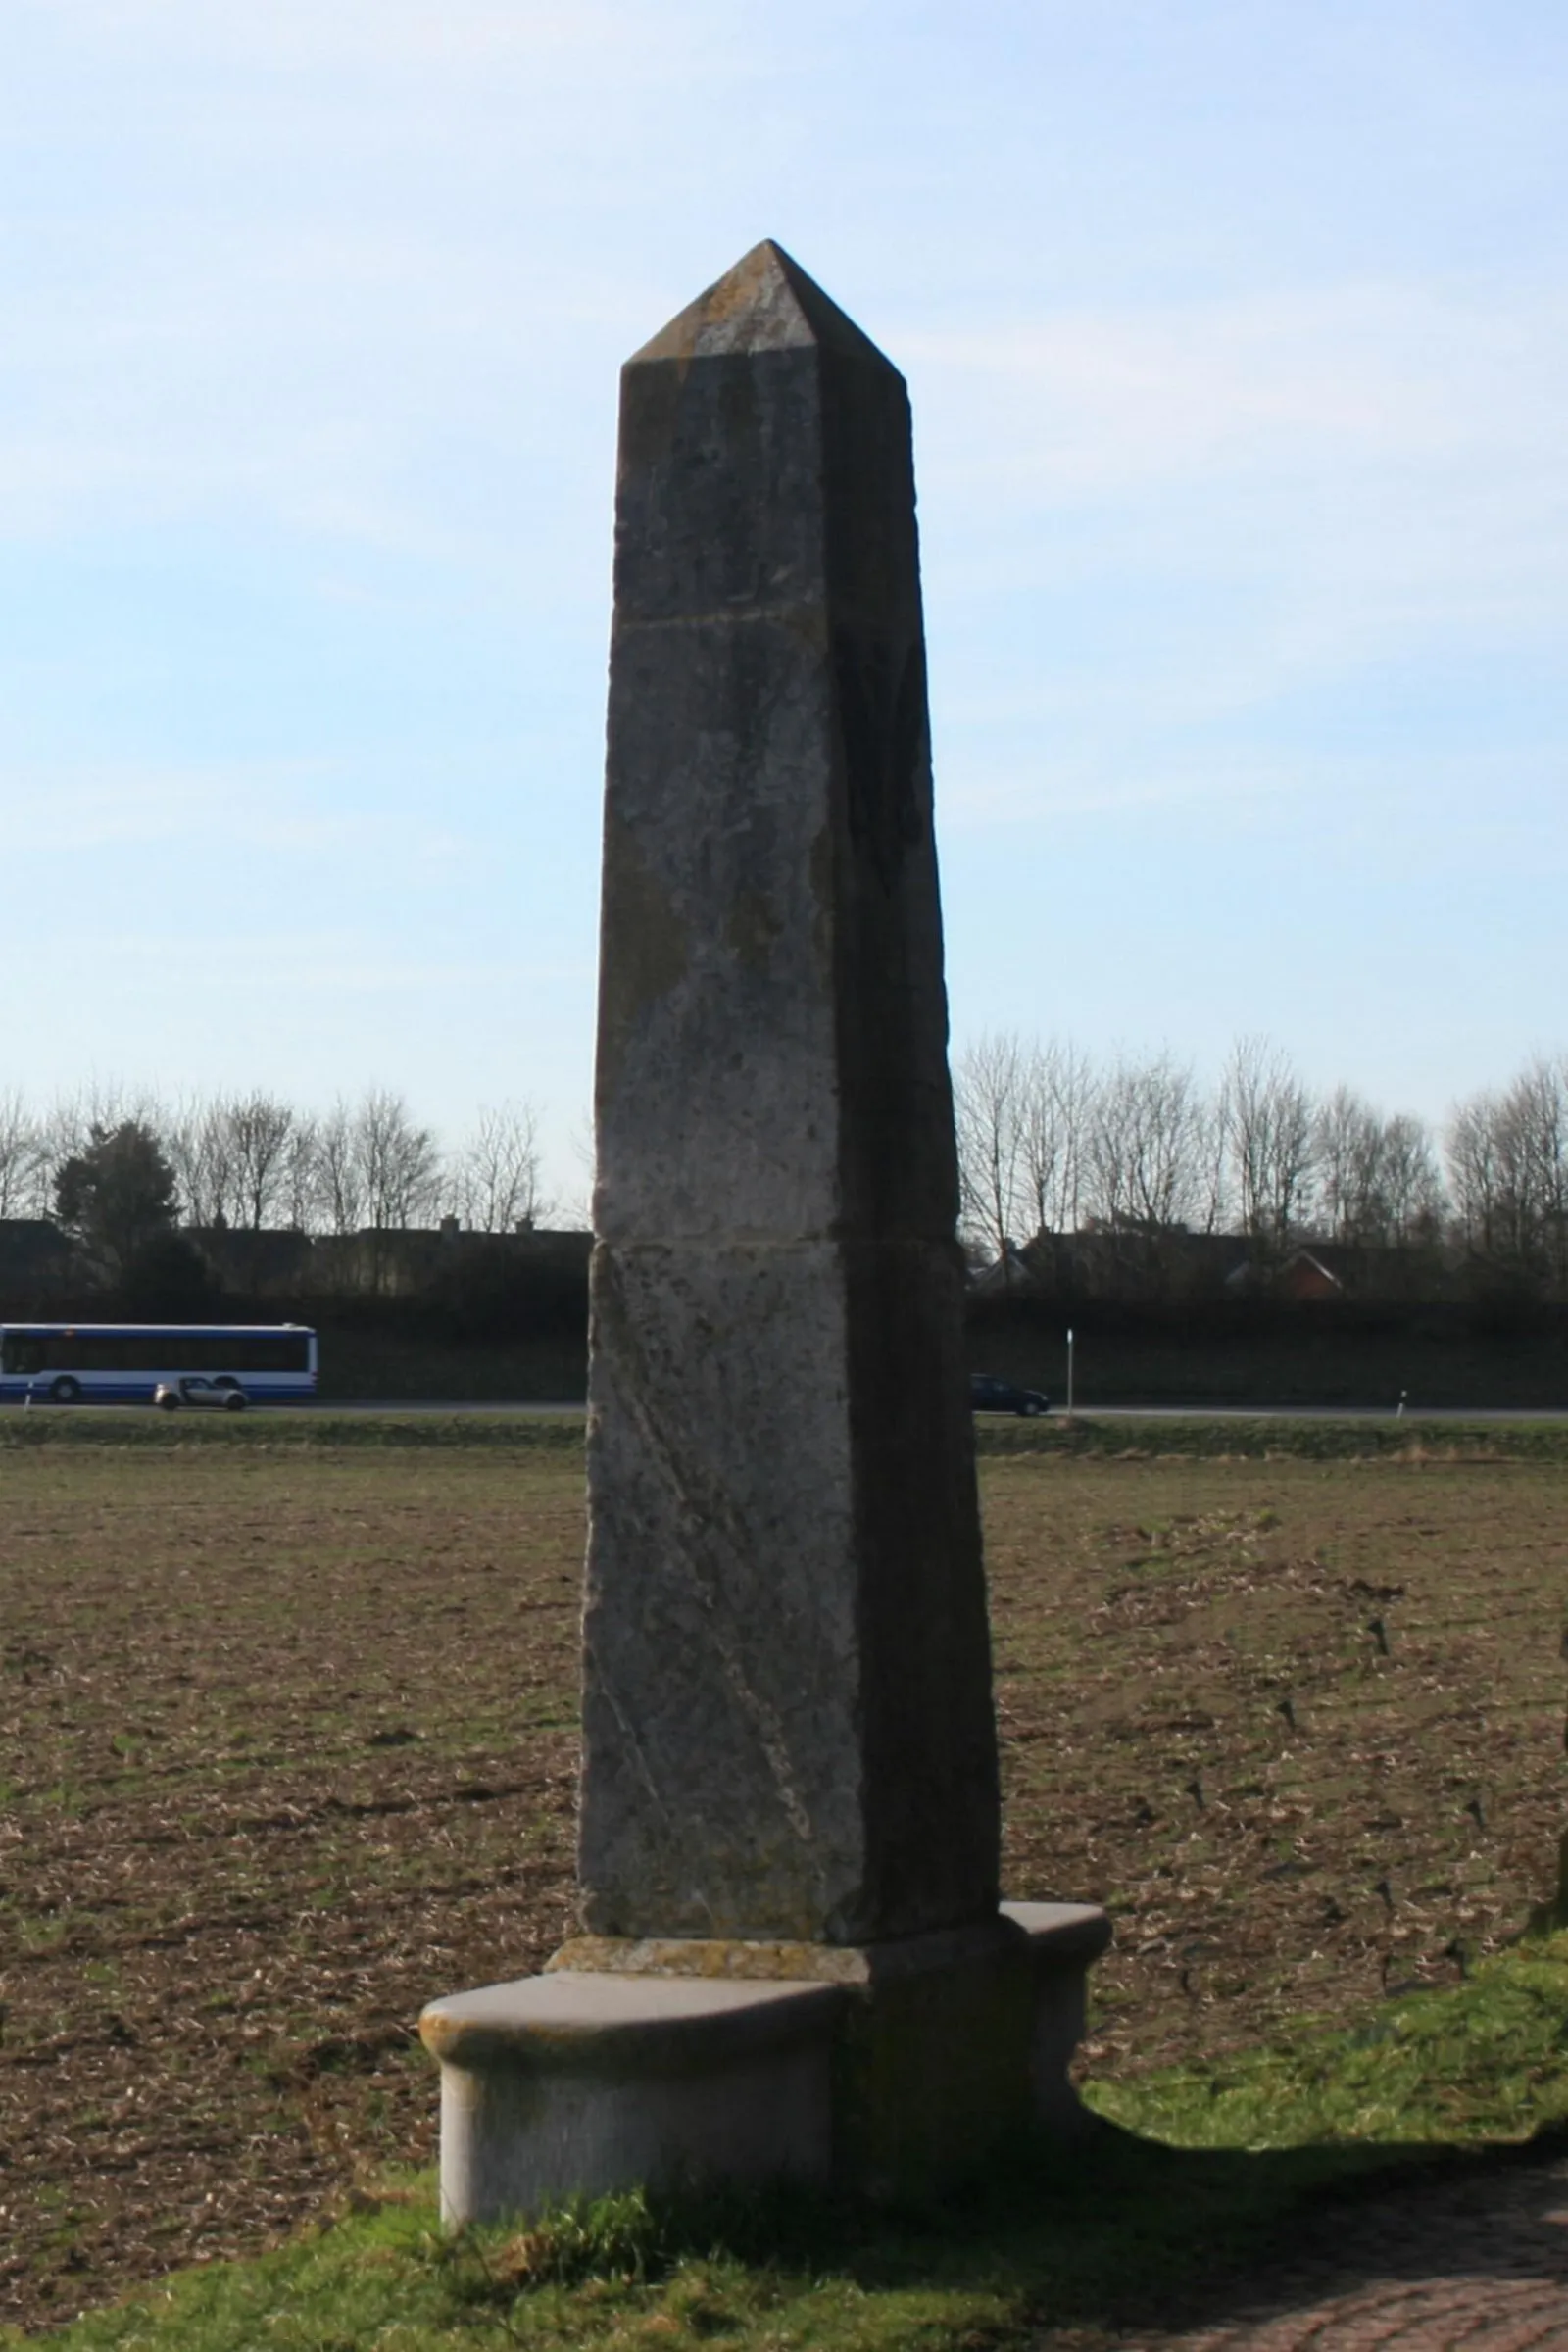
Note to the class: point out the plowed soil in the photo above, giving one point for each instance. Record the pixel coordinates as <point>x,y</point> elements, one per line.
<point>287,1746</point>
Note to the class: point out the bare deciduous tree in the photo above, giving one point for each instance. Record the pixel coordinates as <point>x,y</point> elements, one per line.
<point>986,1103</point>
<point>1379,1184</point>
<point>337,1180</point>
<point>1350,1148</point>
<point>1475,1160</point>
<point>1150,1147</point>
<point>1412,1188</point>
<point>259,1131</point>
<point>300,1189</point>
<point>22,1160</point>
<point>1268,1124</point>
<point>199,1147</point>
<point>1537,1103</point>
<point>399,1167</point>
<point>493,1182</point>
<point>1055,1111</point>
<point>1508,1161</point>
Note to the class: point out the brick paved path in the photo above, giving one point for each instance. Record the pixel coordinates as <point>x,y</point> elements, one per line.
<point>1473,2262</point>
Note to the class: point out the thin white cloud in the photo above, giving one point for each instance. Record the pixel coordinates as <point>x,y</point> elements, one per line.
<point>321,963</point>
<point>1428,812</point>
<point>1276,493</point>
<point>1108,402</point>
<point>1319,394</point>
<point>278,808</point>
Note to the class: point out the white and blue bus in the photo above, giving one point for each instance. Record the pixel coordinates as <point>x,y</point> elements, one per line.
<point>129,1363</point>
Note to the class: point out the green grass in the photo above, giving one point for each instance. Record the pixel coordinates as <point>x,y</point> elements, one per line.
<point>1484,2062</point>
<point>1184,2174</point>
<point>1321,1439</point>
<point>1326,1439</point>
<point>270,1430</point>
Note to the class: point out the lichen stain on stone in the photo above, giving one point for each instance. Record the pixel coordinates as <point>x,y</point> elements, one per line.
<point>714,1957</point>
<point>652,947</point>
<point>441,2035</point>
<point>756,284</point>
<point>752,309</point>
<point>738,291</point>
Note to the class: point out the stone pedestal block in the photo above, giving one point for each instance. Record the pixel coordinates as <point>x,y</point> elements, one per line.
<point>578,2084</point>
<point>884,2070</point>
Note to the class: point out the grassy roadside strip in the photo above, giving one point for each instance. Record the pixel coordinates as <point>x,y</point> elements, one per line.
<point>1125,1438</point>
<point>1326,1440</point>
<point>1189,2172</point>
<point>282,1430</point>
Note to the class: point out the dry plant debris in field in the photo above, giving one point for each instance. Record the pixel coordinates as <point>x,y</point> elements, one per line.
<point>1299,1726</point>
<point>287,1745</point>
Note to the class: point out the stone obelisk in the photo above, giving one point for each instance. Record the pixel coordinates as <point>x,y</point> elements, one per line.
<point>787,1710</point>
<point>793,1957</point>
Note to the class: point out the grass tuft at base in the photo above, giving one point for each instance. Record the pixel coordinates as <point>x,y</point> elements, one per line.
<point>1482,2063</point>
<point>1183,2175</point>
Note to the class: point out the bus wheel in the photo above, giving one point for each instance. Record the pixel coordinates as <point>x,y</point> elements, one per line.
<point>65,1391</point>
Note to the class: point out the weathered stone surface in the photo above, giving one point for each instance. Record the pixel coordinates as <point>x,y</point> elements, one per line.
<point>579,2085</point>
<point>1062,1936</point>
<point>772,1042</point>
<point>787,1712</point>
<point>887,2068</point>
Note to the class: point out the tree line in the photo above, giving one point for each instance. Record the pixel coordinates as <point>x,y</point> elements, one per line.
<point>1050,1144</point>
<point>117,1171</point>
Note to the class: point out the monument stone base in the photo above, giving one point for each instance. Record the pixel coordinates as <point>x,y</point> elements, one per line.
<point>882,2068</point>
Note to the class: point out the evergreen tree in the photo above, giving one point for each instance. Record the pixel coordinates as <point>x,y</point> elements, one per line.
<point>118,1194</point>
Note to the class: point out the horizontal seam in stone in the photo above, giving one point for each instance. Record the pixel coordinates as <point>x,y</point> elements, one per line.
<point>630,624</point>
<point>742,1236</point>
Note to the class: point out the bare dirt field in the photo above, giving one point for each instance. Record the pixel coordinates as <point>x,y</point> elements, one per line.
<point>287,1742</point>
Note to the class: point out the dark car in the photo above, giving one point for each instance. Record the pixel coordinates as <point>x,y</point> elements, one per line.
<point>988,1395</point>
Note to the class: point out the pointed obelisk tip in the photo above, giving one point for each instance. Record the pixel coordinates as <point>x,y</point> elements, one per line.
<point>765,303</point>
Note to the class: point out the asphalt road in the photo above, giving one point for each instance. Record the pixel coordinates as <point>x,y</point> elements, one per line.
<point>1082,1412</point>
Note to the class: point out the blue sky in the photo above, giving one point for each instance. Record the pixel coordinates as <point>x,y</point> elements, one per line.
<point>1237,341</point>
